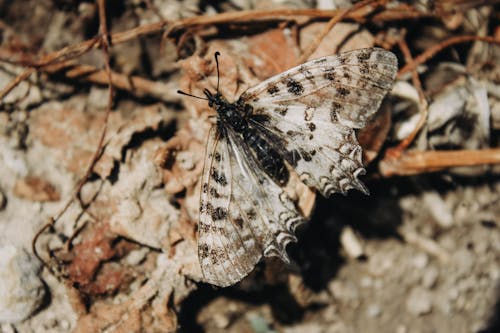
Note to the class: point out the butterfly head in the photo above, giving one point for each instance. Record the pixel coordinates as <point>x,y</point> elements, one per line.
<point>216,100</point>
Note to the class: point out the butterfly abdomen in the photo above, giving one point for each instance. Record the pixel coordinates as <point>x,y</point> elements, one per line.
<point>267,157</point>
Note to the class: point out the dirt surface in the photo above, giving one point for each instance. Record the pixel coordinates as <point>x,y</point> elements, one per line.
<point>421,253</point>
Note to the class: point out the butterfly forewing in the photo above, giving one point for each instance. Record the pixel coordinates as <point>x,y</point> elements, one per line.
<point>242,219</point>
<point>315,108</point>
<point>348,87</point>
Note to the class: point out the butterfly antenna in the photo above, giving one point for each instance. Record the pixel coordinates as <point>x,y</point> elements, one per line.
<point>217,54</point>
<point>186,94</point>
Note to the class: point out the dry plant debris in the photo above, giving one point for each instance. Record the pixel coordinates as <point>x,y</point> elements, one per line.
<point>99,154</point>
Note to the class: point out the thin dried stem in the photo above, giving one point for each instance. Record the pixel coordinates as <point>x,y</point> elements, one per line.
<point>416,162</point>
<point>342,14</point>
<point>433,50</point>
<point>104,42</point>
<point>74,51</point>
<point>424,106</point>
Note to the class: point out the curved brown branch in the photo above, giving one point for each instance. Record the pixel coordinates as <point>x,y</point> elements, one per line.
<point>415,162</point>
<point>435,49</point>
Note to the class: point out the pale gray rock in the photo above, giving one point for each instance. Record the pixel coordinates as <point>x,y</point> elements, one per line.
<point>419,302</point>
<point>21,290</point>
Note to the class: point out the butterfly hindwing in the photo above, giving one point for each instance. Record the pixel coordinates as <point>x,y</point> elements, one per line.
<point>326,157</point>
<point>243,213</point>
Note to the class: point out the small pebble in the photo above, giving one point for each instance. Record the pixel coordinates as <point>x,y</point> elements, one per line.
<point>344,291</point>
<point>221,320</point>
<point>64,324</point>
<point>494,273</point>
<point>438,209</point>
<point>351,243</point>
<point>366,282</point>
<point>186,160</point>
<point>430,277</point>
<point>21,290</point>
<point>419,302</point>
<point>420,260</point>
<point>373,310</point>
<point>453,294</point>
<point>401,329</point>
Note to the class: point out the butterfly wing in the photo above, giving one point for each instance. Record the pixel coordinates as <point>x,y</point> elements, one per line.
<point>315,108</point>
<point>243,213</point>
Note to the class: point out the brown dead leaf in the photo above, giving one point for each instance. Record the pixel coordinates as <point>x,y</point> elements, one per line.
<point>372,137</point>
<point>87,256</point>
<point>267,50</point>
<point>36,189</point>
<point>73,133</point>
<point>343,37</point>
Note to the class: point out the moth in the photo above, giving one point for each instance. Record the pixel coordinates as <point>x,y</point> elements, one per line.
<point>302,119</point>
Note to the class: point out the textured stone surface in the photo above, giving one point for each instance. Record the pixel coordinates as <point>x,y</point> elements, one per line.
<point>21,290</point>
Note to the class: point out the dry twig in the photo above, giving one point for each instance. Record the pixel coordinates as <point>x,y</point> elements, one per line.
<point>104,42</point>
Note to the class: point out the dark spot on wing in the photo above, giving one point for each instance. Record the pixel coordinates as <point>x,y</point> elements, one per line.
<point>311,126</point>
<point>205,188</point>
<point>341,91</point>
<point>217,157</point>
<point>203,251</point>
<point>203,227</point>
<point>305,155</point>
<point>347,76</point>
<point>272,89</point>
<point>309,75</point>
<point>281,111</point>
<point>320,61</point>
<point>380,56</point>
<point>294,87</point>
<point>239,222</point>
<point>334,110</point>
<point>206,208</point>
<point>214,193</point>
<point>219,178</point>
<point>219,213</point>
<point>330,76</point>
<point>363,56</point>
<point>251,214</point>
<point>214,256</point>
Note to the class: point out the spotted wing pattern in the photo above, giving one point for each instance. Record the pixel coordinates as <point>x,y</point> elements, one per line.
<point>315,107</point>
<point>243,213</point>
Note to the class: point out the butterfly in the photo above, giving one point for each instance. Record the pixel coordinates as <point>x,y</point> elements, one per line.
<point>302,119</point>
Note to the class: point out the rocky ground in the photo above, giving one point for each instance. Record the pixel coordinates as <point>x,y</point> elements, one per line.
<point>421,253</point>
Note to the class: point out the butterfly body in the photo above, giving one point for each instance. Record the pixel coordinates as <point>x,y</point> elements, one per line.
<point>237,117</point>
<point>302,119</point>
